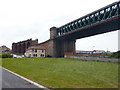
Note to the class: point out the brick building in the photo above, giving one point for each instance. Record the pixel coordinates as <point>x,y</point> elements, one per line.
<point>20,47</point>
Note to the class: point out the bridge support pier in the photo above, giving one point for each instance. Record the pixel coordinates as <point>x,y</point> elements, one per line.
<point>63,46</point>
<point>60,46</point>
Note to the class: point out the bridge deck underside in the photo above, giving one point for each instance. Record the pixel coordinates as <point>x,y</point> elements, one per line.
<point>99,28</point>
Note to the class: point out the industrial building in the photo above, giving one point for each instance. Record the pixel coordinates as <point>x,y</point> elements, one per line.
<point>20,47</point>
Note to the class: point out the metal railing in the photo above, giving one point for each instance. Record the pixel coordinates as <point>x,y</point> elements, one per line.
<point>105,13</point>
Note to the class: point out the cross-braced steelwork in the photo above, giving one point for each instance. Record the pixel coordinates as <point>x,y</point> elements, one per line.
<point>103,14</point>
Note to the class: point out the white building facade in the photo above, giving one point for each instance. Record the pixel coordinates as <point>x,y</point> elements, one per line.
<point>34,52</point>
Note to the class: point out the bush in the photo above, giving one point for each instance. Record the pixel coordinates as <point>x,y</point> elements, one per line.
<point>116,54</point>
<point>6,56</point>
<point>48,56</point>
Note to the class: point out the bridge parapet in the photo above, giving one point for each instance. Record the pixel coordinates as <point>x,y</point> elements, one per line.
<point>105,13</point>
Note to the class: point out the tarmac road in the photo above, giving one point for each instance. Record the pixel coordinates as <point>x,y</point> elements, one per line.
<point>10,80</point>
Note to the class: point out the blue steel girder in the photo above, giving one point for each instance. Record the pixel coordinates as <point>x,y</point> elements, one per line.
<point>108,12</point>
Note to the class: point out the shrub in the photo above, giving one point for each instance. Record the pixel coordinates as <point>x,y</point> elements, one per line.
<point>6,56</point>
<point>48,56</point>
<point>116,54</point>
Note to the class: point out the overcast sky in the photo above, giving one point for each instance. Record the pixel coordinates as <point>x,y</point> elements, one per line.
<point>24,19</point>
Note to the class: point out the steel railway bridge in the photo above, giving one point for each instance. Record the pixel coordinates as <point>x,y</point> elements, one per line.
<point>104,20</point>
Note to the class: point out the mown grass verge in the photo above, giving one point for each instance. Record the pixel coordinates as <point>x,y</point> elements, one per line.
<point>65,72</point>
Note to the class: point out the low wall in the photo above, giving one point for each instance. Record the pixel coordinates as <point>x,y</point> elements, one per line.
<point>93,58</point>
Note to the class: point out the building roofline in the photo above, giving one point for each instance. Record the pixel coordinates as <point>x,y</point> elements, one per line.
<point>43,42</point>
<point>25,41</point>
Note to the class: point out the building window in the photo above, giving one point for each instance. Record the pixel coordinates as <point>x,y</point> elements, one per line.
<point>42,51</point>
<point>35,55</point>
<point>35,50</point>
<point>41,55</point>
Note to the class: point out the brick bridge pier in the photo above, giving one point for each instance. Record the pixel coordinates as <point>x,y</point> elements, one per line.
<point>59,45</point>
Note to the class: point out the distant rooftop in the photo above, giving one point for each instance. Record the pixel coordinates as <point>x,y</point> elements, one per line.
<point>4,47</point>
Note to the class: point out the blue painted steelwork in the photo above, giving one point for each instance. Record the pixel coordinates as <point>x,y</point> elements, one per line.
<point>103,14</point>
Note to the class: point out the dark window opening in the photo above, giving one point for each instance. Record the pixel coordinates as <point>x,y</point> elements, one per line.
<point>35,50</point>
<point>42,51</point>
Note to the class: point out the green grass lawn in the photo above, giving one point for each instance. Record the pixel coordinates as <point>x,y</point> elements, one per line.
<point>65,73</point>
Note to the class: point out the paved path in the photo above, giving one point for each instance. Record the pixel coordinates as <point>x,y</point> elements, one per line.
<point>10,80</point>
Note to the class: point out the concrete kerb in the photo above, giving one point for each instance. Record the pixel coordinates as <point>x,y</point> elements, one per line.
<point>30,81</point>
